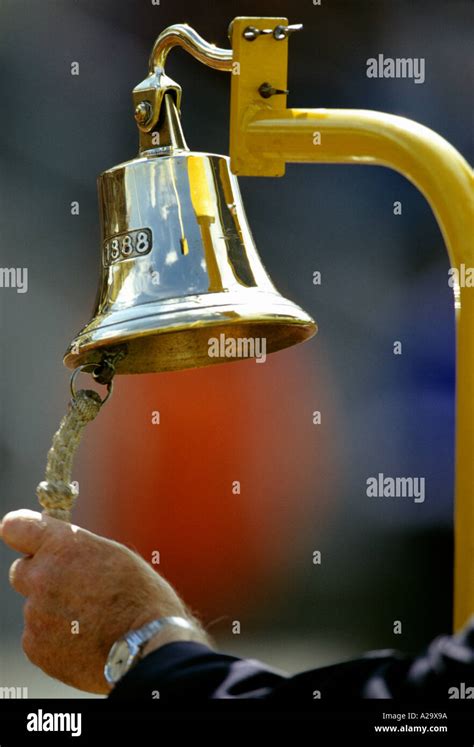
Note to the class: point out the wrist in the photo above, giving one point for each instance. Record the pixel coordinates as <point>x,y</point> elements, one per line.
<point>130,648</point>
<point>172,634</point>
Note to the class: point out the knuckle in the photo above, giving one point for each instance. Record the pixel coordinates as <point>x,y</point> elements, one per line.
<point>36,581</point>
<point>13,573</point>
<point>17,574</point>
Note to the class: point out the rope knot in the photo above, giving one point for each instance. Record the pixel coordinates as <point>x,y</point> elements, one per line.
<point>57,497</point>
<point>87,404</point>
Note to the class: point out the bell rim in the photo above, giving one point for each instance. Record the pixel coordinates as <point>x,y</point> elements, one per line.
<point>281,312</point>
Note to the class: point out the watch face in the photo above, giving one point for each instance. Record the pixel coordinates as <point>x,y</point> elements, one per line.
<point>120,660</point>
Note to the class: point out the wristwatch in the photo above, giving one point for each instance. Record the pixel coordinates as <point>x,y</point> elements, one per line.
<point>125,652</point>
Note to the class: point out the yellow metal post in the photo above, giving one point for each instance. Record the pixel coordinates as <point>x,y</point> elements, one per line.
<point>265,135</point>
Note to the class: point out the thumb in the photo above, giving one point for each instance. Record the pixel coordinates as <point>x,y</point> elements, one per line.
<point>26,530</point>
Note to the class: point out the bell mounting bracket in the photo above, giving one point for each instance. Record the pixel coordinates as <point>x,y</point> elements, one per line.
<point>149,95</point>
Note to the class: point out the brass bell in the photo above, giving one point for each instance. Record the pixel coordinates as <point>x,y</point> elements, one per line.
<point>179,267</point>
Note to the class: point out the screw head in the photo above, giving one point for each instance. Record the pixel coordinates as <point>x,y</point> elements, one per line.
<point>143,112</point>
<point>250,33</point>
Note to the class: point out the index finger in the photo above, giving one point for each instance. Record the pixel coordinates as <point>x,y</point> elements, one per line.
<point>23,530</point>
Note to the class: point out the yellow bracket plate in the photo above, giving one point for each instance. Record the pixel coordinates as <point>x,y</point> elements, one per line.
<point>264,60</point>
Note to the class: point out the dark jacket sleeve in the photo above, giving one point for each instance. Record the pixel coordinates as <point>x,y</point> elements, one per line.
<point>185,670</point>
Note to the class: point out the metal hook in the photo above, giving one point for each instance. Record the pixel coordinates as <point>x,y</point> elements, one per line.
<point>182,35</point>
<point>88,368</point>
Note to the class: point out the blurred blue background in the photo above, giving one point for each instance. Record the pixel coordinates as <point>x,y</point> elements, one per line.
<point>384,278</point>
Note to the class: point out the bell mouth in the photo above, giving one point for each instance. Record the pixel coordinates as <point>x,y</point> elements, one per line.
<point>193,332</point>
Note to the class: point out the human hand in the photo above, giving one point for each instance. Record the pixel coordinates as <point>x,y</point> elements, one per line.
<point>83,592</point>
